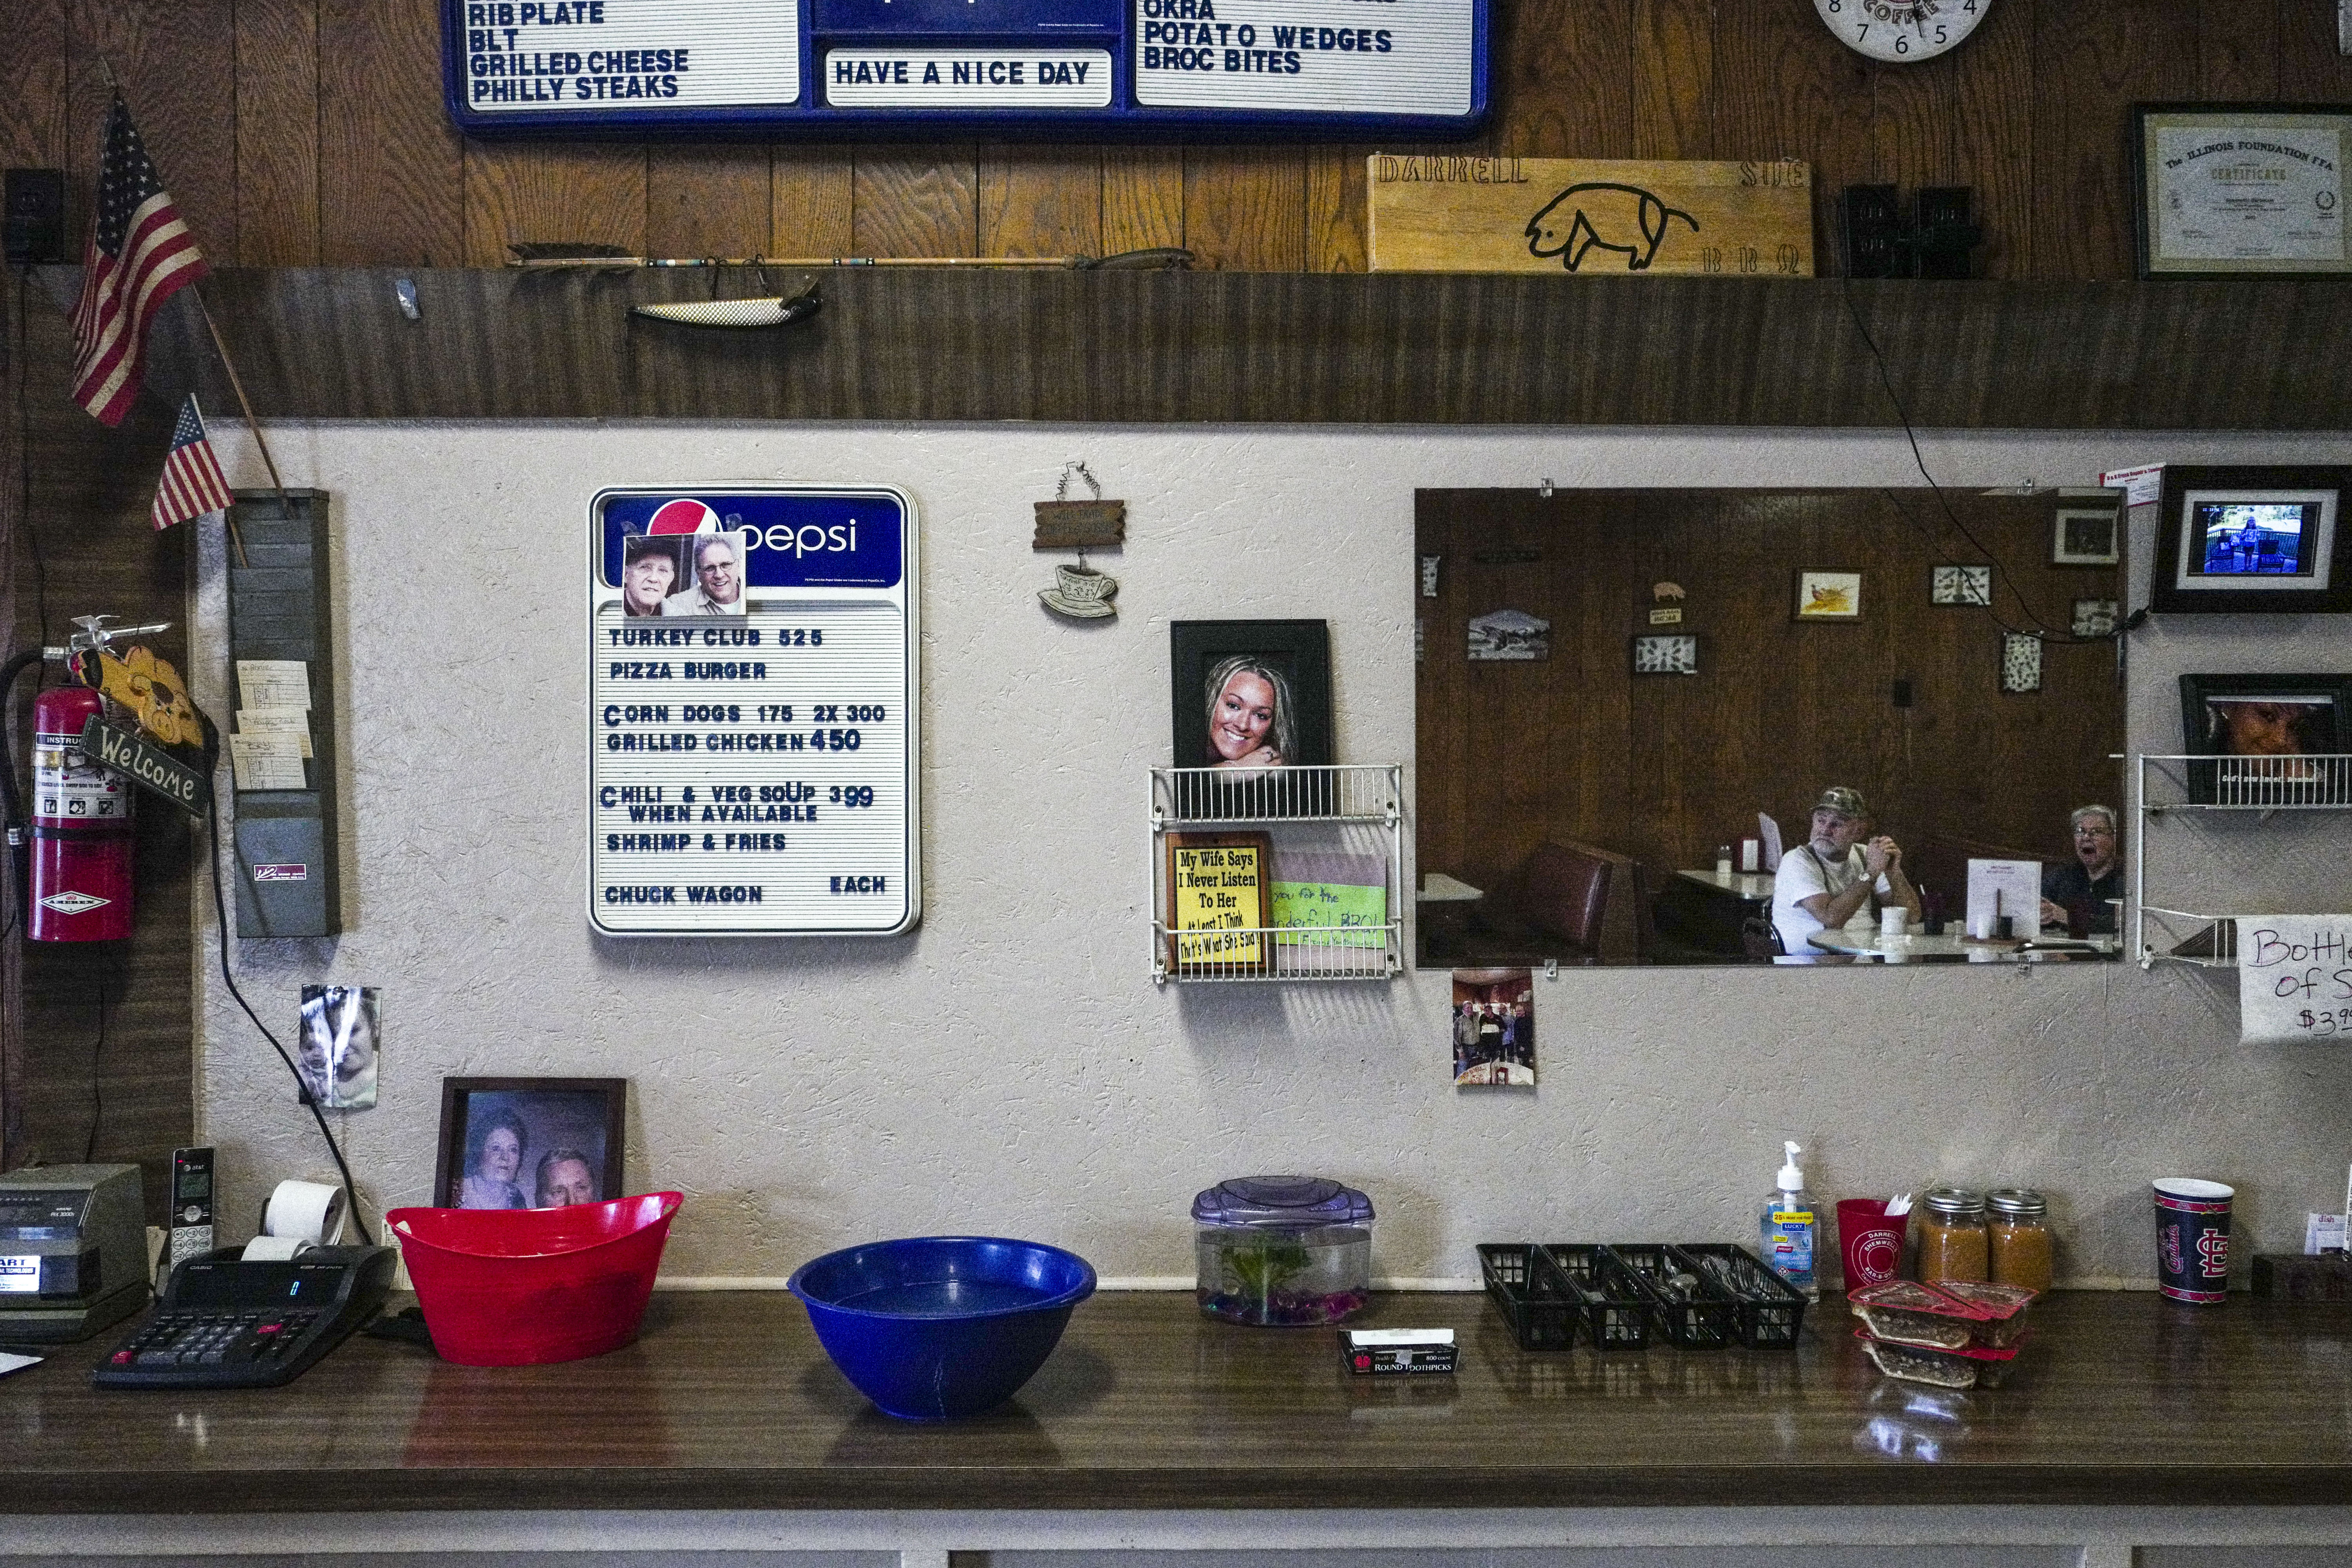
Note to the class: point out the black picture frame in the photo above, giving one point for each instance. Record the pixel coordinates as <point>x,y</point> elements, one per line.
<point>2180,585</point>
<point>583,1115</point>
<point>2148,185</point>
<point>1299,650</point>
<point>1958,592</point>
<point>2089,535</point>
<point>1662,639</point>
<point>2326,731</point>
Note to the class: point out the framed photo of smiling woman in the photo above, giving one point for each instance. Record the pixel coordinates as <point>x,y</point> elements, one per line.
<point>1248,698</point>
<point>1251,695</point>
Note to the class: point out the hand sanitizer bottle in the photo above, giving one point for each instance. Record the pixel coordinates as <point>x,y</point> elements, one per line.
<point>1789,1228</point>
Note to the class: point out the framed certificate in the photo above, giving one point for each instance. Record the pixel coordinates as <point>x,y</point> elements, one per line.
<point>2240,190</point>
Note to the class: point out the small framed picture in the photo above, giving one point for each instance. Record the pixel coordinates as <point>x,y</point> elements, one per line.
<point>1828,597</point>
<point>1250,695</point>
<point>2281,739</point>
<point>2250,541</point>
<point>2095,617</point>
<point>2020,663</point>
<point>2086,536</point>
<point>1960,584</point>
<point>338,1045</point>
<point>1493,1028</point>
<point>531,1142</point>
<point>1665,654</point>
<point>1220,904</point>
<point>1508,637</point>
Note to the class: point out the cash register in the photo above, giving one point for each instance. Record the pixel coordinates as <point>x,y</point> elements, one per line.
<point>73,1251</point>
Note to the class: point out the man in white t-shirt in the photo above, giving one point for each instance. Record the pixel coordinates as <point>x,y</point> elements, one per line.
<point>1829,879</point>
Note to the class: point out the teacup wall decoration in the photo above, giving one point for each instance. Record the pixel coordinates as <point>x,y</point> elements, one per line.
<point>1080,592</point>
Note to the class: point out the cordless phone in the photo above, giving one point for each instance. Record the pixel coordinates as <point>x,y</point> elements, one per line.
<point>192,1206</point>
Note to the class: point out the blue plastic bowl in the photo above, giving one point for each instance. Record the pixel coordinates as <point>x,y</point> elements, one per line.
<point>934,1327</point>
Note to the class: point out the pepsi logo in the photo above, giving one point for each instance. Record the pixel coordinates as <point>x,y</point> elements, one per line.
<point>684,515</point>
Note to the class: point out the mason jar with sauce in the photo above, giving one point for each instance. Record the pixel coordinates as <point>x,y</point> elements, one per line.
<point>2019,1238</point>
<point>1953,1243</point>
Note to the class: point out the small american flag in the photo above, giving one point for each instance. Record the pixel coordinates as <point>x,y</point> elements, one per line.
<point>191,483</point>
<point>139,255</point>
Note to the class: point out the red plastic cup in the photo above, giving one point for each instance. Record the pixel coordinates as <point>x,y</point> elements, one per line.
<point>1870,1244</point>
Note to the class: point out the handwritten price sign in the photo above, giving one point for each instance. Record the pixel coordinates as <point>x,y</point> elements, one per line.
<point>2294,977</point>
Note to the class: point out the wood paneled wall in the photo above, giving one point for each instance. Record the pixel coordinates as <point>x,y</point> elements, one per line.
<point>1665,768</point>
<point>104,1065</point>
<point>303,133</point>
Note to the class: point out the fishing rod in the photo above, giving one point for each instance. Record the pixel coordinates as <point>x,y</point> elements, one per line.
<point>553,254</point>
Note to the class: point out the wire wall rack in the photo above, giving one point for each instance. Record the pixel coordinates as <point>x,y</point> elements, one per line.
<point>2166,786</point>
<point>1334,838</point>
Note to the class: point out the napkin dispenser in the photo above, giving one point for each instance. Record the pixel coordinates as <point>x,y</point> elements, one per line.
<point>73,1251</point>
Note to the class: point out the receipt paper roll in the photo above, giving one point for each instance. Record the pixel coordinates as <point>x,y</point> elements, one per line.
<point>305,1211</point>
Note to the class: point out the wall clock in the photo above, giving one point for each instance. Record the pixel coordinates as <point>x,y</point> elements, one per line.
<point>1902,31</point>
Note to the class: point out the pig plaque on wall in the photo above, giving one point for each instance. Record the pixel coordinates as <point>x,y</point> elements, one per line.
<point>1444,213</point>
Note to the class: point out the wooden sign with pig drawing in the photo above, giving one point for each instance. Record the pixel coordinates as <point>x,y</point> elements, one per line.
<point>1591,217</point>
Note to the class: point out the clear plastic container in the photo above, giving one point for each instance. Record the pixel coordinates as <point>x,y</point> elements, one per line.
<point>1940,1368</point>
<point>1287,1251</point>
<point>1955,1315</point>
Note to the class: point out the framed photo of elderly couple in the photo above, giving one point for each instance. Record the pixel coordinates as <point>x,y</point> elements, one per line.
<point>530,1142</point>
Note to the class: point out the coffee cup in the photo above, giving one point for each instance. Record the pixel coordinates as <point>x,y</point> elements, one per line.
<point>1870,1243</point>
<point>1893,922</point>
<point>1083,584</point>
<point>2192,1239</point>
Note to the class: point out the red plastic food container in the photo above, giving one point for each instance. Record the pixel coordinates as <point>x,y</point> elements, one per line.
<point>517,1287</point>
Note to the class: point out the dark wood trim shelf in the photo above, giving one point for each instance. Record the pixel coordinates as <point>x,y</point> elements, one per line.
<point>1306,348</point>
<point>727,1402</point>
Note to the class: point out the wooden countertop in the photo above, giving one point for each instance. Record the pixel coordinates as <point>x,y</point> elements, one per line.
<point>727,1402</point>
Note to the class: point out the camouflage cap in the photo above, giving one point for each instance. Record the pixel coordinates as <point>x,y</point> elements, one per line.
<point>1843,799</point>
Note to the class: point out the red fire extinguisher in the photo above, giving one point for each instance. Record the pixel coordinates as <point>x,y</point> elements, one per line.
<point>81,837</point>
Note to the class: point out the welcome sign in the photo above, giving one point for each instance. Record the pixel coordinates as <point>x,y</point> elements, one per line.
<point>1301,69</point>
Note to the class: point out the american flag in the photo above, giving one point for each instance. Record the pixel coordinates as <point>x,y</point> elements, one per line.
<point>191,483</point>
<point>139,255</point>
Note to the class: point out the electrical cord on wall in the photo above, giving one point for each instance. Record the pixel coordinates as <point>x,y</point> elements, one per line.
<point>97,1081</point>
<point>220,914</point>
<point>2038,627</point>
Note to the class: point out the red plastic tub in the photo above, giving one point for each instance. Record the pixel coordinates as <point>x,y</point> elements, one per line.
<point>516,1287</point>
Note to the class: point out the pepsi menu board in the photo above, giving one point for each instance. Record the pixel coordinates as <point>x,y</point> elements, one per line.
<point>752,705</point>
<point>1300,69</point>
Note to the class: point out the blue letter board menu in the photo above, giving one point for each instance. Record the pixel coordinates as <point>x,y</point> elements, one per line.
<point>1300,69</point>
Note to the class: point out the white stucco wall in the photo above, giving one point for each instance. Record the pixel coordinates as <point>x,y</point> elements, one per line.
<point>1010,1067</point>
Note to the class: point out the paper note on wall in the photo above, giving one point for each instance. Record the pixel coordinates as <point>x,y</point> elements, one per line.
<point>1339,900</point>
<point>2294,978</point>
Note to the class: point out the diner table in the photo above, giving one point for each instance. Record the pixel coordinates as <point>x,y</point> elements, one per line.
<point>1704,910</point>
<point>1916,946</point>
